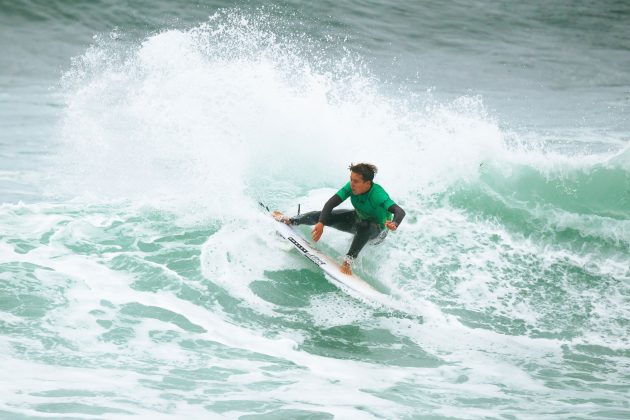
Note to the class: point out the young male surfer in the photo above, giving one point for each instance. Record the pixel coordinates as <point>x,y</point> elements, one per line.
<point>373,212</point>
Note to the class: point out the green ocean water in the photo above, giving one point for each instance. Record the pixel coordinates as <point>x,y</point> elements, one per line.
<point>139,279</point>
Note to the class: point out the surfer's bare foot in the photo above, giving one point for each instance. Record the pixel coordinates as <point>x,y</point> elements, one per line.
<point>281,217</point>
<point>346,269</point>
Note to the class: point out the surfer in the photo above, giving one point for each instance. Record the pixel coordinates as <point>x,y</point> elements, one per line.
<point>373,215</point>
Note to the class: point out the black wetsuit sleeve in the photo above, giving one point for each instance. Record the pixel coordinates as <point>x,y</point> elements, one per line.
<point>399,213</point>
<point>332,202</point>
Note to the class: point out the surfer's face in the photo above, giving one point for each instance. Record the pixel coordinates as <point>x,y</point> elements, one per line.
<point>358,185</point>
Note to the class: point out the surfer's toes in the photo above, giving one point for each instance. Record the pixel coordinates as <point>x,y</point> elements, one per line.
<point>346,267</point>
<point>281,217</point>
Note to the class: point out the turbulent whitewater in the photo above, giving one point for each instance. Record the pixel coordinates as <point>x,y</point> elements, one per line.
<point>138,277</point>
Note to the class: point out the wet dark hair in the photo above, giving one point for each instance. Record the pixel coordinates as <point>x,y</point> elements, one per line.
<point>366,170</point>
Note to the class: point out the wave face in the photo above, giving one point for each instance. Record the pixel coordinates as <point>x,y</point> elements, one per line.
<point>138,278</point>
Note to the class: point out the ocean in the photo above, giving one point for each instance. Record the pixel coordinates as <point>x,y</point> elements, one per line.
<point>139,278</point>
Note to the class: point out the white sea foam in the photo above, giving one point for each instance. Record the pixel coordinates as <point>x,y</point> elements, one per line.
<point>201,124</point>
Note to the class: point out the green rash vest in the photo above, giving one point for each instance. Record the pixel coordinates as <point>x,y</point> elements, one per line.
<point>371,205</point>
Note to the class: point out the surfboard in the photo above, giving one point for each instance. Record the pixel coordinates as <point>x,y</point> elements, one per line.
<point>328,265</point>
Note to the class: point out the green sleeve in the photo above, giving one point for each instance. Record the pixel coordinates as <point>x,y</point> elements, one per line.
<point>344,192</point>
<point>382,199</point>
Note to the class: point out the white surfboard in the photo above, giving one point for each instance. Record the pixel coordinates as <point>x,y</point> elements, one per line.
<point>327,264</point>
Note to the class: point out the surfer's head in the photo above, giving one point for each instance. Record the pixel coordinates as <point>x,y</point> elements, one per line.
<point>361,177</point>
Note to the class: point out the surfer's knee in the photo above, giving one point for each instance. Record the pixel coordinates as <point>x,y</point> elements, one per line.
<point>378,237</point>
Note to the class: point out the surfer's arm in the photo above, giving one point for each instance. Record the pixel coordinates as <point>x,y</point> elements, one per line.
<point>399,215</point>
<point>332,202</point>
<point>318,229</point>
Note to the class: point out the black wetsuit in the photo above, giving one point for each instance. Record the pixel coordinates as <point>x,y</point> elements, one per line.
<point>348,221</point>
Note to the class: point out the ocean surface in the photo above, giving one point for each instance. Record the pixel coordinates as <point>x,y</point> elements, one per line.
<point>139,278</point>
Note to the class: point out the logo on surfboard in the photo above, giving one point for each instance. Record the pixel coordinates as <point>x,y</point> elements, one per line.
<point>307,254</point>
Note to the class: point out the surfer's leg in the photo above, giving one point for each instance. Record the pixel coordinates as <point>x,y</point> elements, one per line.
<point>309,218</point>
<point>339,219</point>
<point>343,220</point>
<point>365,231</point>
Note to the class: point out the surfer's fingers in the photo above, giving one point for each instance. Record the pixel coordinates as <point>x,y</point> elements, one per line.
<point>316,233</point>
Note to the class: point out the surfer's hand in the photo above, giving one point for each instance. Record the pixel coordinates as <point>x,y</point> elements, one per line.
<point>391,225</point>
<point>317,231</point>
